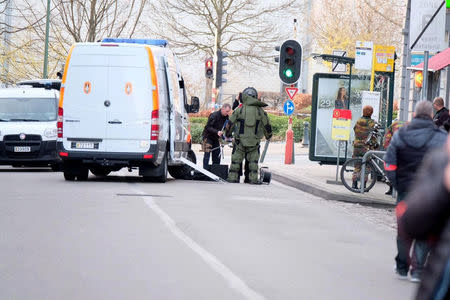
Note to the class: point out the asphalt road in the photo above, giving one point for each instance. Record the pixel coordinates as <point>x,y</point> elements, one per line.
<point>121,238</point>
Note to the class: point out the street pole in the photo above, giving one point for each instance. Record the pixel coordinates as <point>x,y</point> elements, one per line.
<point>406,62</point>
<point>7,40</point>
<point>425,76</point>
<point>447,86</point>
<point>47,33</point>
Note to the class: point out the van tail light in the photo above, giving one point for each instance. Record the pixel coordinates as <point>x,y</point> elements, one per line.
<point>155,126</point>
<point>59,123</point>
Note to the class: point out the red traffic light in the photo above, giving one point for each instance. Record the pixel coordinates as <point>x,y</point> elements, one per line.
<point>290,51</point>
<point>209,68</point>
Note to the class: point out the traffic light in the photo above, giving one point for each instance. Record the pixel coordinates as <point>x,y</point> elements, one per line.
<point>447,3</point>
<point>220,70</point>
<point>209,71</point>
<point>290,62</point>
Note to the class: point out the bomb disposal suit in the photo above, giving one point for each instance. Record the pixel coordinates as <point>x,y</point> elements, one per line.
<point>249,124</point>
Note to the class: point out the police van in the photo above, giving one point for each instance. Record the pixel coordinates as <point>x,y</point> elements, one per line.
<point>28,115</point>
<point>123,104</point>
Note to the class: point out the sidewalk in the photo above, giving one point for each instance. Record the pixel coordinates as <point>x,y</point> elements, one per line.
<point>311,177</point>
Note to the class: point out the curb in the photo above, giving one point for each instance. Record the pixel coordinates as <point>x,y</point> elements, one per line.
<point>324,194</point>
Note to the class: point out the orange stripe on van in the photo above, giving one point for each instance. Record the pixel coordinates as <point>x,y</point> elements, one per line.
<point>154,79</point>
<point>63,82</point>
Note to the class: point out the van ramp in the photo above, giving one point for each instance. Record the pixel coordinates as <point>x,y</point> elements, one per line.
<point>201,170</point>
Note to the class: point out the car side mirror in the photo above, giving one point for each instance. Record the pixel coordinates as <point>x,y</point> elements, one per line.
<point>195,105</point>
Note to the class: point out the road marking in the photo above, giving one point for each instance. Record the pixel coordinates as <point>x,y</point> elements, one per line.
<point>233,280</point>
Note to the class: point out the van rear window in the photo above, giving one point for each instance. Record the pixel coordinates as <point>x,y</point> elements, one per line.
<point>28,109</point>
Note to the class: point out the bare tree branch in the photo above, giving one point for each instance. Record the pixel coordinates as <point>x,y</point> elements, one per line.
<point>244,27</point>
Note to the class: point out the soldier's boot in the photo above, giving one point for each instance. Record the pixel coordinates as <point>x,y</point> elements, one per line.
<point>236,160</point>
<point>253,158</point>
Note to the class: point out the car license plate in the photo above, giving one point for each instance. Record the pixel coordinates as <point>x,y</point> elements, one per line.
<point>84,145</point>
<point>22,149</point>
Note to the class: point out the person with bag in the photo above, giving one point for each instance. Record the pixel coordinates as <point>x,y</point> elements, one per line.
<point>249,123</point>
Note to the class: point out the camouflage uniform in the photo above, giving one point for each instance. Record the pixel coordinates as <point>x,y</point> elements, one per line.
<point>249,123</point>
<point>390,132</point>
<point>363,127</point>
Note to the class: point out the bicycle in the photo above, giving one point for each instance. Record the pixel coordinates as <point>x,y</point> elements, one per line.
<point>374,167</point>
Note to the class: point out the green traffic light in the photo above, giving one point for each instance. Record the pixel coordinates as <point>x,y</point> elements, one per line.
<point>288,73</point>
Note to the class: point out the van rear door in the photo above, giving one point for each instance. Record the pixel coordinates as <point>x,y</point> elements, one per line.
<point>128,126</point>
<point>84,100</point>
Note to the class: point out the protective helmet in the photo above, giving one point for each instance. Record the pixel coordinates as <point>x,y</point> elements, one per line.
<point>250,91</point>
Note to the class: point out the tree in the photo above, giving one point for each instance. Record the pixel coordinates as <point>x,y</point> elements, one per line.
<point>245,28</point>
<point>71,21</point>
<point>86,20</point>
<point>338,24</point>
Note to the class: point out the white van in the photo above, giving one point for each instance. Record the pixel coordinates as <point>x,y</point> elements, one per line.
<point>123,104</point>
<point>28,126</point>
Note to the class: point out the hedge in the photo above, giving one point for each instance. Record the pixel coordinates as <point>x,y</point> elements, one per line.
<point>279,127</point>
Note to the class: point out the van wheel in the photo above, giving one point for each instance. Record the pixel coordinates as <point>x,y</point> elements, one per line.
<point>100,171</point>
<point>183,171</point>
<point>83,174</point>
<point>69,176</point>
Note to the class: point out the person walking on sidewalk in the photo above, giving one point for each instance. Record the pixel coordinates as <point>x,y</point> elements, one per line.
<point>425,214</point>
<point>395,126</point>
<point>402,160</point>
<point>363,127</point>
<point>212,133</point>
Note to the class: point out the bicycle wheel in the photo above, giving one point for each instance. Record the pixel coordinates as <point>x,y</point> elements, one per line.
<point>352,170</point>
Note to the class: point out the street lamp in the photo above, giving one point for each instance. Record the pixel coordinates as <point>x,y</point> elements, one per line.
<point>47,29</point>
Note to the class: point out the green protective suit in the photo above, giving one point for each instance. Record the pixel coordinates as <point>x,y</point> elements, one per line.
<point>250,124</point>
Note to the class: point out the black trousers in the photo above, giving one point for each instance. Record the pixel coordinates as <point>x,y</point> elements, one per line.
<point>214,154</point>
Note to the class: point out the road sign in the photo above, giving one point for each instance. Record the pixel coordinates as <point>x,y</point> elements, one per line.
<point>363,57</point>
<point>289,107</point>
<point>433,39</point>
<point>336,67</point>
<point>384,58</point>
<point>341,125</point>
<point>291,92</point>
<point>418,57</point>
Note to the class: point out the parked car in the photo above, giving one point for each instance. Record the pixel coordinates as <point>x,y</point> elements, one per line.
<point>28,133</point>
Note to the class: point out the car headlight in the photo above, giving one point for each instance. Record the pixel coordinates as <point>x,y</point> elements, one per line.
<point>50,133</point>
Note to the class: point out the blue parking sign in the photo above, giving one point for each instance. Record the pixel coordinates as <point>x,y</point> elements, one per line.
<point>289,107</point>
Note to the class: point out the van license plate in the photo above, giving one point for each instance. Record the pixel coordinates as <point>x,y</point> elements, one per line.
<point>22,149</point>
<point>84,145</point>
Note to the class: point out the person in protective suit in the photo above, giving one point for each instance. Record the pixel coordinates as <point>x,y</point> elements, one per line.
<point>249,124</point>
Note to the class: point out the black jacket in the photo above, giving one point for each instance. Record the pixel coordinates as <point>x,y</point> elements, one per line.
<point>215,124</point>
<point>427,214</point>
<point>441,117</point>
<point>408,148</point>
